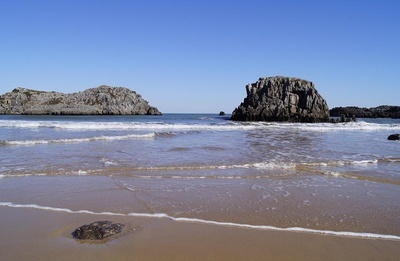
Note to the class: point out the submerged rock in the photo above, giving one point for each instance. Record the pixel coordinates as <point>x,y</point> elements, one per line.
<point>343,118</point>
<point>282,99</point>
<point>394,137</point>
<point>97,230</point>
<point>103,100</point>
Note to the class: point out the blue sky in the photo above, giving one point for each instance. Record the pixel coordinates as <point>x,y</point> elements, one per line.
<point>197,56</point>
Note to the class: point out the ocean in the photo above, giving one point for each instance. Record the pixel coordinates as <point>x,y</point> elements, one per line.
<point>335,179</point>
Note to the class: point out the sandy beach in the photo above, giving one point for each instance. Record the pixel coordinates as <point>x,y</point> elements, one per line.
<point>46,235</point>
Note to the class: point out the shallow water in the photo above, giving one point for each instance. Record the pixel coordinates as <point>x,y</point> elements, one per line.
<point>321,177</point>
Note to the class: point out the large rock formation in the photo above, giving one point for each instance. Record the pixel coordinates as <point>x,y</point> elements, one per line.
<point>383,111</point>
<point>282,99</point>
<point>95,101</point>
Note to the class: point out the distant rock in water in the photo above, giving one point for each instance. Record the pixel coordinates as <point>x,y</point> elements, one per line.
<point>282,99</point>
<point>97,230</point>
<point>394,137</point>
<point>383,111</point>
<point>103,100</point>
<point>221,113</point>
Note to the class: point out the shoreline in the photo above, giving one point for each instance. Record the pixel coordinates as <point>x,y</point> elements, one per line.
<point>297,209</point>
<point>347,234</point>
<point>46,236</point>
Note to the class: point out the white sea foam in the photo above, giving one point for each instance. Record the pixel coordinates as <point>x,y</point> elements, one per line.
<point>333,174</point>
<point>273,165</point>
<point>257,165</point>
<point>341,163</point>
<point>225,126</point>
<point>81,173</point>
<point>358,162</point>
<point>22,175</point>
<point>287,167</point>
<point>317,164</point>
<point>77,140</point>
<point>349,126</point>
<point>209,222</point>
<point>391,160</point>
<point>108,162</point>
<point>81,126</point>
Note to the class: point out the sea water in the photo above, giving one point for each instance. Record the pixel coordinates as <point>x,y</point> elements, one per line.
<point>341,178</point>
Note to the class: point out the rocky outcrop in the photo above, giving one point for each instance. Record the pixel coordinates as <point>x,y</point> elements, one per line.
<point>282,99</point>
<point>103,100</point>
<point>383,111</point>
<point>97,230</point>
<point>394,137</point>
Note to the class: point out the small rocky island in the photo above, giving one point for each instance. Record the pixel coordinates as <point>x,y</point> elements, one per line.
<point>103,100</point>
<point>282,99</point>
<point>383,111</point>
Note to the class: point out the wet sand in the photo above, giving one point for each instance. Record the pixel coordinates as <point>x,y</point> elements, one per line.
<point>314,205</point>
<point>34,234</point>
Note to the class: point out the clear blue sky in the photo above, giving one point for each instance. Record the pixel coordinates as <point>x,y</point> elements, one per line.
<point>197,56</point>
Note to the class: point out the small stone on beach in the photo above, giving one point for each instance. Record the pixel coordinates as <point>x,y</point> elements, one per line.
<point>97,230</point>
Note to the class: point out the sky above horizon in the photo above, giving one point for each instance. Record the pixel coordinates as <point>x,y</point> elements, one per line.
<point>198,56</point>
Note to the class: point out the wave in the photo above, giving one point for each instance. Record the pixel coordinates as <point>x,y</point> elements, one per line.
<point>48,173</point>
<point>257,165</point>
<point>208,222</point>
<point>390,160</point>
<point>225,126</point>
<point>348,126</point>
<point>358,162</point>
<point>71,125</point>
<point>287,168</point>
<point>77,140</point>
<point>273,165</point>
<point>349,162</point>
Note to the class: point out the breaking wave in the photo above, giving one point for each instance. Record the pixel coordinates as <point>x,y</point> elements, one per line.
<point>224,126</point>
<point>77,140</point>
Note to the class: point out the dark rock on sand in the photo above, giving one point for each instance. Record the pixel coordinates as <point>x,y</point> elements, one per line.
<point>282,99</point>
<point>383,111</point>
<point>97,230</point>
<point>394,137</point>
<point>103,100</point>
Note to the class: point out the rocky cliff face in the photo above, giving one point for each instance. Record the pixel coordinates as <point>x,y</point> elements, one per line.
<point>383,111</point>
<point>282,99</point>
<point>103,100</point>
